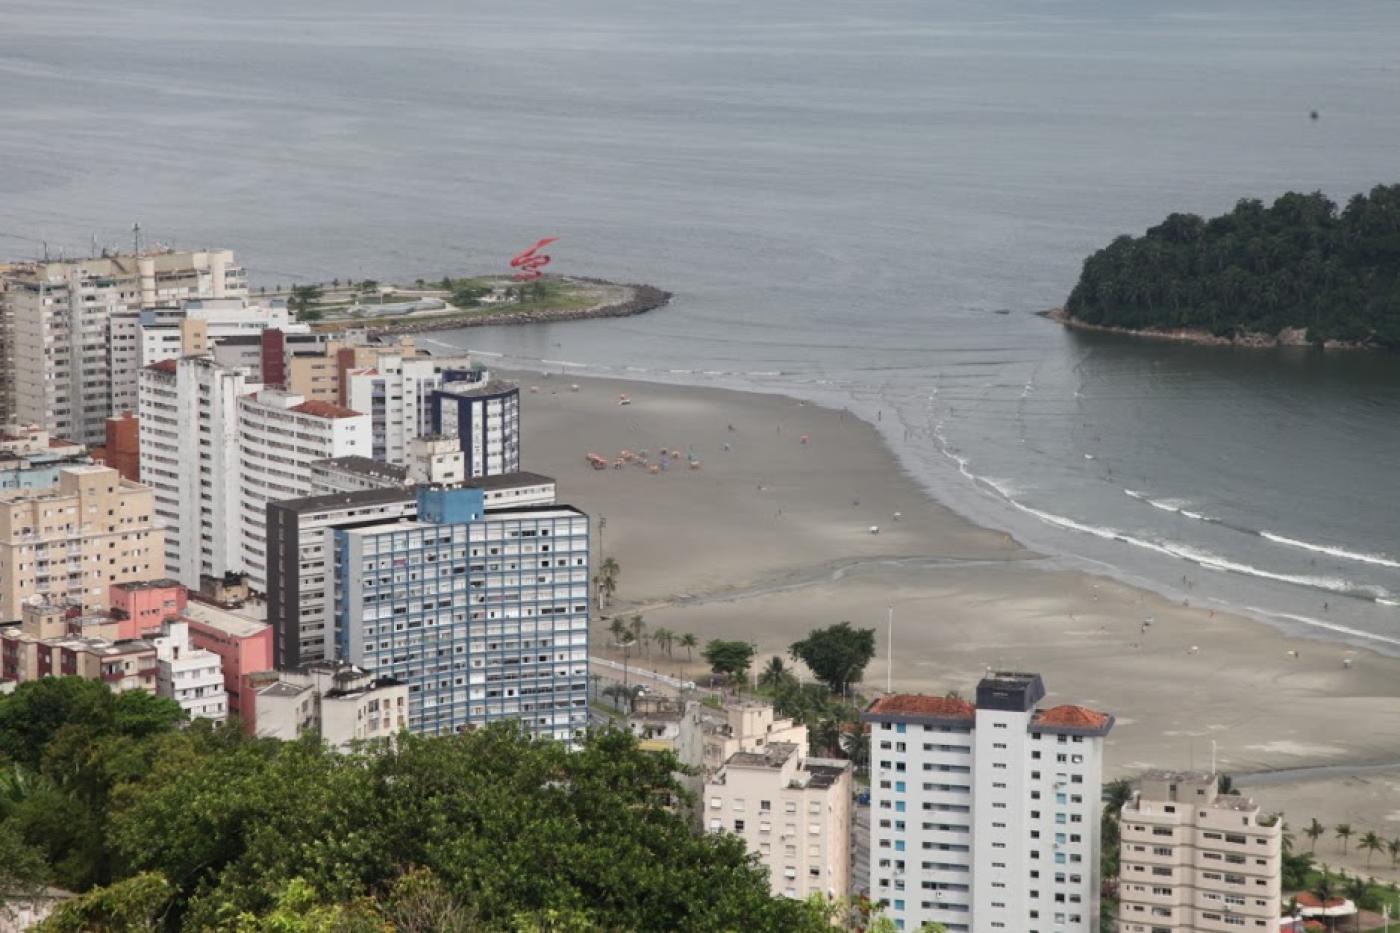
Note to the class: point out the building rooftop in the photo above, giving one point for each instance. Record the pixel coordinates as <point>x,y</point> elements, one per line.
<point>774,756</point>
<point>509,480</point>
<point>282,689</point>
<point>239,624</point>
<point>469,389</point>
<point>346,500</point>
<point>163,583</point>
<point>319,409</point>
<point>909,704</point>
<point>364,466</point>
<point>1077,717</point>
<point>165,366</point>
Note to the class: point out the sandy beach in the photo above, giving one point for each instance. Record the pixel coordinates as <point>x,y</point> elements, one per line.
<point>770,537</point>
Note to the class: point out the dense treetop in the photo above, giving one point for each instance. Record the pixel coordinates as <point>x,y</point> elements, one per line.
<point>1300,263</point>
<point>164,827</point>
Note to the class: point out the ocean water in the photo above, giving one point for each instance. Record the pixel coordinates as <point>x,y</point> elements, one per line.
<point>859,204</point>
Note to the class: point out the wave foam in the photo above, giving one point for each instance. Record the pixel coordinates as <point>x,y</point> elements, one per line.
<point>1379,560</point>
<point>1171,505</point>
<point>1330,626</point>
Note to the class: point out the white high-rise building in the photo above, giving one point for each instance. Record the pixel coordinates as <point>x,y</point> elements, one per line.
<point>192,677</point>
<point>279,436</point>
<point>141,337</point>
<point>217,448</point>
<point>60,337</point>
<point>190,457</point>
<point>396,393</point>
<point>985,817</point>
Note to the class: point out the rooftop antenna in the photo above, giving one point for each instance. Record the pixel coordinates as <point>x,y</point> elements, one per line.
<point>136,238</point>
<point>1212,756</point>
<point>94,245</point>
<point>46,251</point>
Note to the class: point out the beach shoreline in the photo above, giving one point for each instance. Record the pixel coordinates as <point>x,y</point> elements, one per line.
<point>772,535</point>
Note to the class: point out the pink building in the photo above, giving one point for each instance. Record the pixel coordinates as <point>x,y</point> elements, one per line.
<point>140,607</point>
<point>245,646</point>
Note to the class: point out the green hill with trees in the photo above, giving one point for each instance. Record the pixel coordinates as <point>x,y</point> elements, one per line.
<point>161,825</point>
<point>1256,271</point>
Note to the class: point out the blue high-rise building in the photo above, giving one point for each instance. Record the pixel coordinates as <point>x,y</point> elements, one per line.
<point>483,615</point>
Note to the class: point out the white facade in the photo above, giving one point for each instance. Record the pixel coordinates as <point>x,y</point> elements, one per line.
<point>280,435</point>
<point>355,474</point>
<point>61,337</point>
<point>145,336</point>
<point>341,703</point>
<point>793,812</point>
<point>986,817</point>
<point>190,457</point>
<point>192,677</point>
<point>396,392</point>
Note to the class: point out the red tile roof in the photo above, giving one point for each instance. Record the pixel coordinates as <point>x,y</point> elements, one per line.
<point>918,705</point>
<point>1310,900</point>
<point>322,409</point>
<point>1077,717</point>
<point>165,366</point>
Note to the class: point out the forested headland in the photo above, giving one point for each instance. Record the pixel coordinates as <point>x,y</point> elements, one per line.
<point>1298,271</point>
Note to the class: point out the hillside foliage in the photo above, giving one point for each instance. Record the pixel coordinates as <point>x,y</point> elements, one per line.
<point>1300,263</point>
<point>163,826</point>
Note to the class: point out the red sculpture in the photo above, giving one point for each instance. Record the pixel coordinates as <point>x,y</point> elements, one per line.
<point>531,261</point>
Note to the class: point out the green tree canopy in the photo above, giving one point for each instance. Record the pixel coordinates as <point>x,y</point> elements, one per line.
<point>729,657</point>
<point>1299,263</point>
<point>837,655</point>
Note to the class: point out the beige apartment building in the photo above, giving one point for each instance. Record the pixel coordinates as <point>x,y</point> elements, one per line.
<point>1194,860</point>
<point>74,540</point>
<point>57,339</point>
<point>749,727</point>
<point>793,811</point>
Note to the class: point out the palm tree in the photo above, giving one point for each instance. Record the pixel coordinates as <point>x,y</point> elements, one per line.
<point>663,638</point>
<point>773,674</point>
<point>1314,832</point>
<point>621,693</point>
<point>1323,886</point>
<point>1287,834</point>
<point>1372,844</point>
<point>639,629</point>
<point>1357,888</point>
<point>1393,848</point>
<point>688,641</point>
<point>608,572</point>
<point>1344,833</point>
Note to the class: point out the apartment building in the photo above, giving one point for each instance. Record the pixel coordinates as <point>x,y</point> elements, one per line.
<point>74,540</point>
<point>749,727</point>
<point>484,416</point>
<point>341,703</point>
<point>194,327</point>
<point>280,435</point>
<point>189,451</point>
<point>484,616</point>
<point>985,816</point>
<point>48,642</point>
<point>300,546</point>
<point>396,392</point>
<point>191,676</point>
<point>243,644</point>
<point>300,571</point>
<point>355,474</point>
<point>1194,860</point>
<point>59,333</point>
<point>30,458</point>
<point>794,812</point>
<point>141,607</point>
